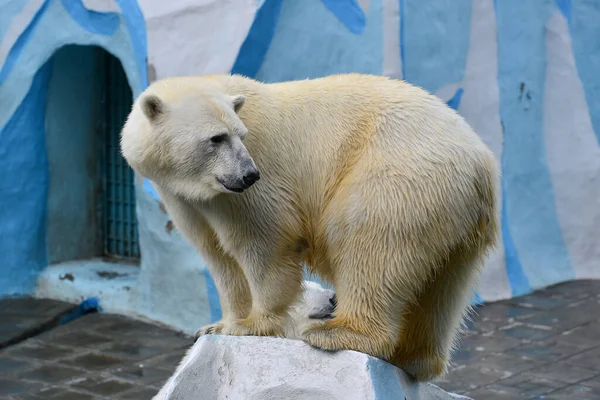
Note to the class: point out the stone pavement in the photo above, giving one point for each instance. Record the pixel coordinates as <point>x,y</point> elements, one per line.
<point>98,356</point>
<point>543,346</point>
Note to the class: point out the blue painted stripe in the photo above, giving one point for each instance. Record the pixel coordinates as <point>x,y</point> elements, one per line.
<point>147,185</point>
<point>95,22</point>
<point>519,284</point>
<point>454,102</point>
<point>15,51</point>
<point>386,384</point>
<point>213,297</point>
<point>255,46</point>
<point>565,8</point>
<point>585,31</point>
<point>349,13</point>
<point>24,191</point>
<point>402,34</point>
<point>136,26</point>
<point>529,208</point>
<point>476,300</point>
<point>435,42</point>
<point>300,41</point>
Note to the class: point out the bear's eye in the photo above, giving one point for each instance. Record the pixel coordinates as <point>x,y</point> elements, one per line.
<point>218,138</point>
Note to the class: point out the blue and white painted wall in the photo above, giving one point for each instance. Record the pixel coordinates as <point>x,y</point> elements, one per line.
<point>31,32</point>
<point>523,73</point>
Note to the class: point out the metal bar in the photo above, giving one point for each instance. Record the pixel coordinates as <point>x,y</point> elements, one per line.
<point>121,233</point>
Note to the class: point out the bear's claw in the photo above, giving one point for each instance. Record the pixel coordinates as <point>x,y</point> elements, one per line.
<point>213,329</point>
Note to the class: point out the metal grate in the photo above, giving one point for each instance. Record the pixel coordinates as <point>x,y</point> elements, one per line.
<point>118,205</point>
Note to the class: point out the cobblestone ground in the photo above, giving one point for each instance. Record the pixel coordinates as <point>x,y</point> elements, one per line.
<point>542,346</point>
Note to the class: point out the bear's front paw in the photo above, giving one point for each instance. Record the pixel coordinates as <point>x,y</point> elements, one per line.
<point>214,329</point>
<point>261,325</point>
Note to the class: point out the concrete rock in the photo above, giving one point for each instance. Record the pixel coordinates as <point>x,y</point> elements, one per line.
<point>264,368</point>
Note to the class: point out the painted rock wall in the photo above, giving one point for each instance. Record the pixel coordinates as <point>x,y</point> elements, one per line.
<point>31,31</point>
<point>523,73</point>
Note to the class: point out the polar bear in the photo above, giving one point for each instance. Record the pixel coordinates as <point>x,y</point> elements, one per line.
<point>376,185</point>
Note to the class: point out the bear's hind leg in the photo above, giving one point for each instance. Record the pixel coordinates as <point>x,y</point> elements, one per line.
<point>370,297</point>
<point>432,323</point>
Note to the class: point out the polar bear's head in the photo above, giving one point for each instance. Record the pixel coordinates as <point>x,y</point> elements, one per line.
<point>189,140</point>
<point>315,304</point>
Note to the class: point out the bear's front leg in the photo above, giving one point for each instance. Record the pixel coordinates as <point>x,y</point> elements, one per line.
<point>275,283</point>
<point>233,289</point>
<point>232,286</point>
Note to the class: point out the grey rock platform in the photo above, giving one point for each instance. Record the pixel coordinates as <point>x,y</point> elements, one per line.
<point>262,368</point>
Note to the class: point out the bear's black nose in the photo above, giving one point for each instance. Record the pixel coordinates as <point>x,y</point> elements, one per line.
<point>251,178</point>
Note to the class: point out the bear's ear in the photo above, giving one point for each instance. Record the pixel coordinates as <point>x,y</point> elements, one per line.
<point>152,106</point>
<point>238,101</point>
